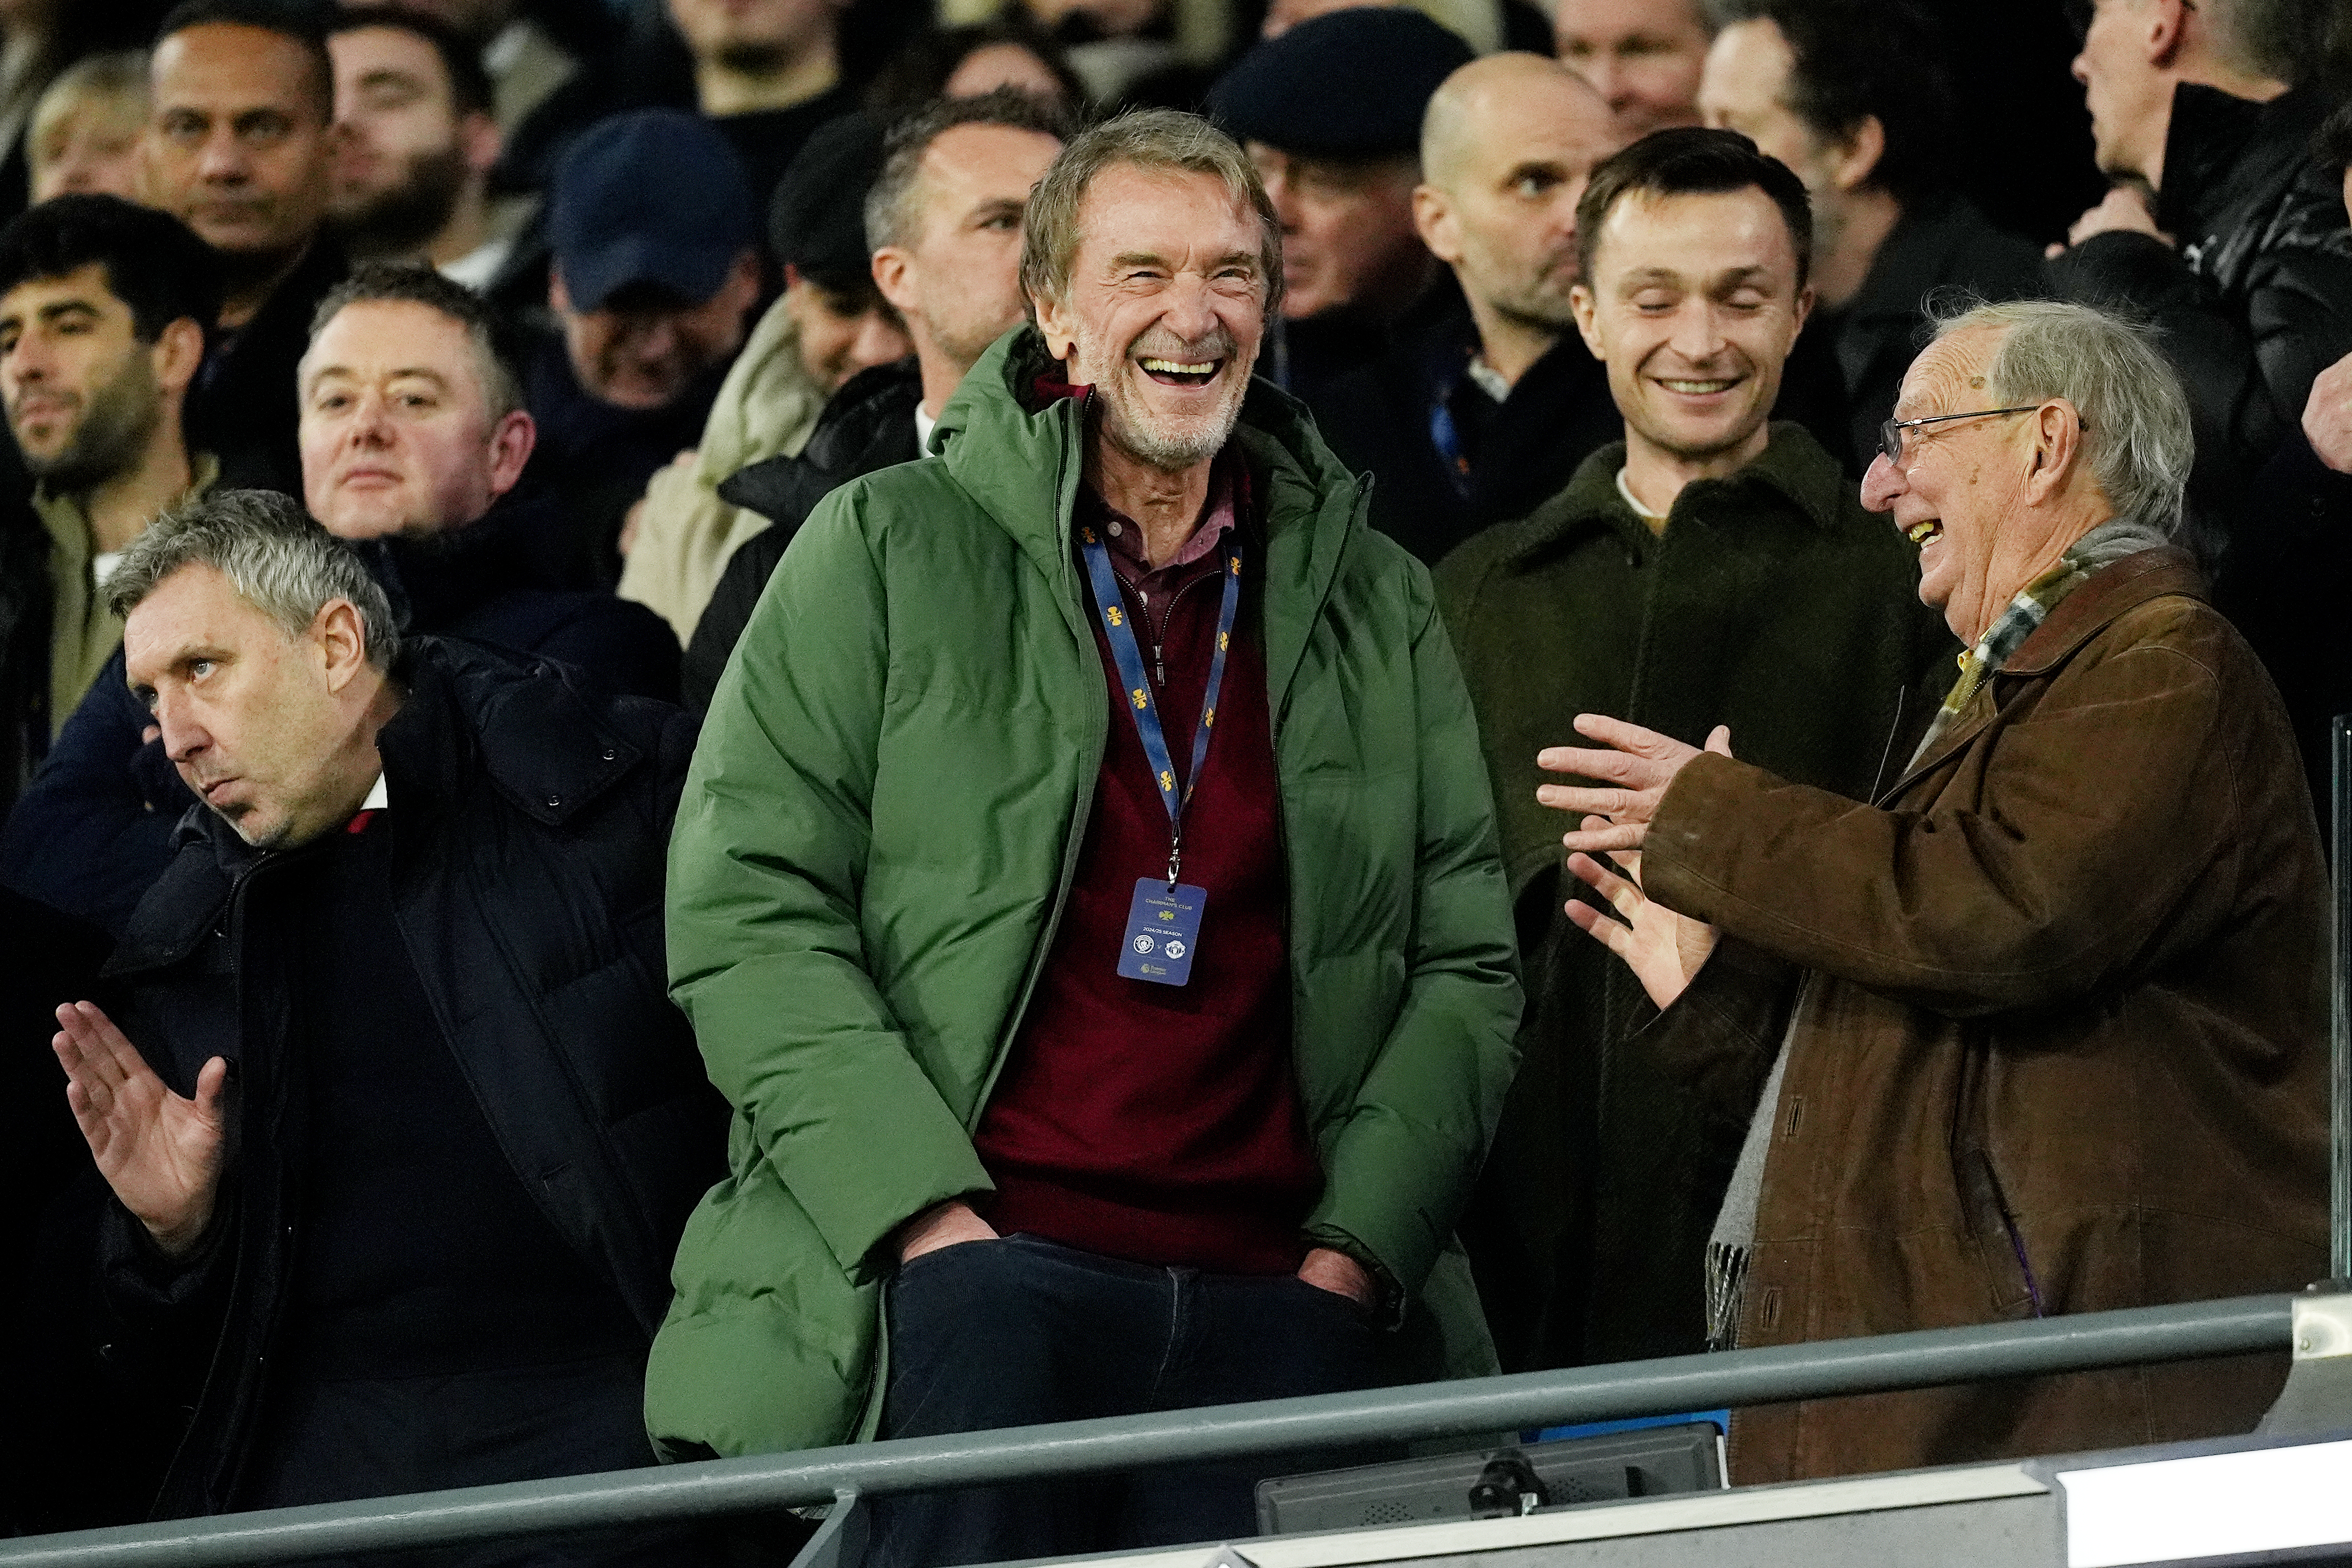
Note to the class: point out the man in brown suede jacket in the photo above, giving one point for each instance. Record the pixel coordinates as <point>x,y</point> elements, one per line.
<point>2043,1030</point>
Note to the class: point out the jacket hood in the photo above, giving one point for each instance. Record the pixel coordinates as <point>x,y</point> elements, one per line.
<point>1014,437</point>
<point>869,423</point>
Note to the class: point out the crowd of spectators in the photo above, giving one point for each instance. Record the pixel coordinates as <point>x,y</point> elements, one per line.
<point>613,615</point>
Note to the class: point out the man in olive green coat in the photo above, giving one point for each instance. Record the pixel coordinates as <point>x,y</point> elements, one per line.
<point>1712,569</point>
<point>1091,1161</point>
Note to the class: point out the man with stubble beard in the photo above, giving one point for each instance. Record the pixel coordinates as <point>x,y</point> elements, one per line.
<point>1109,1088</point>
<point>1481,415</point>
<point>240,146</point>
<point>419,140</point>
<point>102,312</point>
<point>944,220</point>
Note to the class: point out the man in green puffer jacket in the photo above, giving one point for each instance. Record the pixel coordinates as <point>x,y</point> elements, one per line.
<point>918,871</point>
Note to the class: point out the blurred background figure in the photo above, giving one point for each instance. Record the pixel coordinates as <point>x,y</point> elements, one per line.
<point>945,219</point>
<point>103,307</point>
<point>2223,225</point>
<point>39,40</point>
<point>1485,25</point>
<point>1127,52</point>
<point>1853,96</point>
<point>84,134</point>
<point>1484,411</point>
<point>1330,113</point>
<point>655,273</point>
<point>830,324</point>
<point>766,72</point>
<point>1644,55</point>
<point>419,140</point>
<point>1009,50</point>
<point>240,146</point>
<point>2288,571</point>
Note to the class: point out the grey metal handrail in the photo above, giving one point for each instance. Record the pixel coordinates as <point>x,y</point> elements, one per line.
<point>2339,991</point>
<point>1923,1359</point>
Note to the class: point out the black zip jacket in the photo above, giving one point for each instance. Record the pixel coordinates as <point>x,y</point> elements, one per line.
<point>531,817</point>
<point>94,829</point>
<point>868,424</point>
<point>2258,298</point>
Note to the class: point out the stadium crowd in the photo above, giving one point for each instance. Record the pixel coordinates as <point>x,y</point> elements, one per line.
<point>729,725</point>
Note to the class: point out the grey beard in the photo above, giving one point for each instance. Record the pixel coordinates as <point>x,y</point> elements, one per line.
<point>116,422</point>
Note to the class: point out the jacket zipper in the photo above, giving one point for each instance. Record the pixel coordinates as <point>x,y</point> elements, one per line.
<point>1159,629</point>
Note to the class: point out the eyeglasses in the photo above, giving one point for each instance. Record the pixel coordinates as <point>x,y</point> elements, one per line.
<point>1890,435</point>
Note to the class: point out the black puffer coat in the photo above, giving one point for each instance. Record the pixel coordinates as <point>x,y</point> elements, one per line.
<point>532,818</point>
<point>2258,298</point>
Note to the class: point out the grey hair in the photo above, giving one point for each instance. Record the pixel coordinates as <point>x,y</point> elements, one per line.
<point>282,563</point>
<point>894,203</point>
<point>2136,436</point>
<point>1159,139</point>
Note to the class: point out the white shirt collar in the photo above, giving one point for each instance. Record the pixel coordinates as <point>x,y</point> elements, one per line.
<point>924,425</point>
<point>1626,492</point>
<point>379,798</point>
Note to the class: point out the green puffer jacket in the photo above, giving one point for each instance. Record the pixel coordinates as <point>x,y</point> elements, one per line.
<point>878,838</point>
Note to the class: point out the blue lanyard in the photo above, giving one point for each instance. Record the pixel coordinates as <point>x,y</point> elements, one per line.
<point>1447,439</point>
<point>1128,654</point>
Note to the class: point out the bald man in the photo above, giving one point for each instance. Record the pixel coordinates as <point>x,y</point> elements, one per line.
<point>1481,416</point>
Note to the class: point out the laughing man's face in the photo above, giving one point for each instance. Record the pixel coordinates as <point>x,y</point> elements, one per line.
<point>1165,310</point>
<point>1693,306</point>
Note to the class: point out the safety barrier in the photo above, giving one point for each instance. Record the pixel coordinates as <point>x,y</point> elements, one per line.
<point>766,1483</point>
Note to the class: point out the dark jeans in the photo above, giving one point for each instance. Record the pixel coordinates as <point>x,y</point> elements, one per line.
<point>326,1441</point>
<point>1012,1332</point>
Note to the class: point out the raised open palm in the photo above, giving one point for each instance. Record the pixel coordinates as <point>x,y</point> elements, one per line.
<point>160,1151</point>
<point>1662,948</point>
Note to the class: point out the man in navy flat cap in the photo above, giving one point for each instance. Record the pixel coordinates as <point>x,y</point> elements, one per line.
<point>653,273</point>
<point>1330,113</point>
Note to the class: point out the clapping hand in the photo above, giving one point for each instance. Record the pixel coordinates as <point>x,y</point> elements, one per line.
<point>160,1152</point>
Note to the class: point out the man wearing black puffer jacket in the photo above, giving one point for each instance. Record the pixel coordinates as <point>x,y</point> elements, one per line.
<point>395,1211</point>
<point>944,218</point>
<point>869,424</point>
<point>2243,257</point>
<point>410,446</point>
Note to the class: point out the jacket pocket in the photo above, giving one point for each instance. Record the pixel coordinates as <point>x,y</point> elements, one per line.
<point>2000,1245</point>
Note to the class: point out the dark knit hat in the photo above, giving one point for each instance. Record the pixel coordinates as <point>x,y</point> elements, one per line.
<point>817,219</point>
<point>1347,84</point>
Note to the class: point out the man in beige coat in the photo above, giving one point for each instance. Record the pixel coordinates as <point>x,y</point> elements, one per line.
<point>2043,1030</point>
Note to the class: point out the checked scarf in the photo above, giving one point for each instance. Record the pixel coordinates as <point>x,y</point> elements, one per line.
<point>2104,545</point>
<point>1732,1246</point>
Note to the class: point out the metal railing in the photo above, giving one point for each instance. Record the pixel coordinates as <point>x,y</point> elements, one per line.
<point>766,1483</point>
<point>2339,991</point>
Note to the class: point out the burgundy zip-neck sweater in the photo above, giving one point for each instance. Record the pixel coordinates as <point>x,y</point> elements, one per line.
<point>1157,1123</point>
